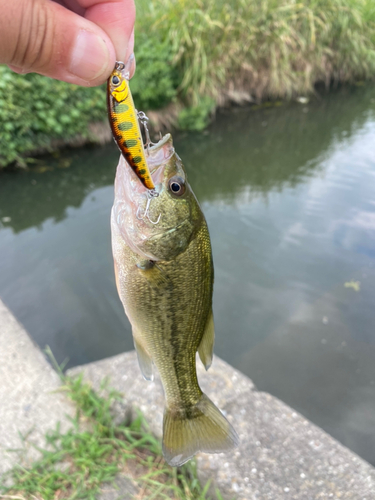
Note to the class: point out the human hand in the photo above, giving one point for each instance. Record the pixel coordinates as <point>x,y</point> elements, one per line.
<point>77,41</point>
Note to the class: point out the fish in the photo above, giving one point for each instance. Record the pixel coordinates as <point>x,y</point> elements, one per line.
<point>123,119</point>
<point>164,276</point>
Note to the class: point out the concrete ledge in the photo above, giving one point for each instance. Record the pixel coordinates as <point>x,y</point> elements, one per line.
<point>281,455</point>
<point>28,404</point>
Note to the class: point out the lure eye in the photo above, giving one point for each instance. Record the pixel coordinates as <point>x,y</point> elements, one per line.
<point>177,186</point>
<point>115,80</point>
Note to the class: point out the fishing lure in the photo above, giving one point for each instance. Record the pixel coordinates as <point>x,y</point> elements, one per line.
<point>123,118</point>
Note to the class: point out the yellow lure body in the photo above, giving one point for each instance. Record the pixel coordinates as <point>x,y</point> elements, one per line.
<point>124,124</point>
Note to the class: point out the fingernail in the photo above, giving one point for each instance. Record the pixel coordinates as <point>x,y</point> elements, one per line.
<point>130,47</point>
<point>130,64</point>
<point>90,55</point>
<point>132,71</point>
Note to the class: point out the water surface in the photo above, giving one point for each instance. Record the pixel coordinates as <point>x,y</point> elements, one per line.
<point>289,199</point>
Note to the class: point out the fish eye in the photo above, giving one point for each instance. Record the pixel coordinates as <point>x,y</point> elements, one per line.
<point>177,186</point>
<point>115,80</point>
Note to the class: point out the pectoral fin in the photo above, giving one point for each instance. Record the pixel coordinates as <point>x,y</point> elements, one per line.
<point>156,277</point>
<point>144,360</point>
<point>145,264</point>
<point>206,347</point>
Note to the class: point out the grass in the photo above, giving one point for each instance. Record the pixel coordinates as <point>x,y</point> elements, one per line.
<point>77,463</point>
<point>269,48</point>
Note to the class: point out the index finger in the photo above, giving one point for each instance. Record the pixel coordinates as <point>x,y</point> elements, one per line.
<point>116,18</point>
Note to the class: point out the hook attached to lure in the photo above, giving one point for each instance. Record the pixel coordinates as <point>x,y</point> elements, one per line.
<point>143,118</point>
<point>123,119</point>
<point>150,195</point>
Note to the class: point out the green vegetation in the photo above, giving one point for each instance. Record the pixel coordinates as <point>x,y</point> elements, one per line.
<point>196,117</point>
<point>270,48</point>
<point>199,54</point>
<point>94,451</point>
<point>156,80</point>
<point>34,110</point>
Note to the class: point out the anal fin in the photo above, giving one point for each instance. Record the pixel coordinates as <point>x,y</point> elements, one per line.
<point>144,360</point>
<point>206,347</point>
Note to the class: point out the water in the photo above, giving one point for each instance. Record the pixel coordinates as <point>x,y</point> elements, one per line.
<point>289,199</point>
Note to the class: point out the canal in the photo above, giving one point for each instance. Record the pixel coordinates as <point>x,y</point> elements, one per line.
<point>288,193</point>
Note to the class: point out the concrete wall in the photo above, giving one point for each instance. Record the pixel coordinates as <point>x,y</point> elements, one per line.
<point>28,405</point>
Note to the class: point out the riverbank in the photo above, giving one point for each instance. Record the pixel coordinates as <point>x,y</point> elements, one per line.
<point>193,57</point>
<point>281,454</point>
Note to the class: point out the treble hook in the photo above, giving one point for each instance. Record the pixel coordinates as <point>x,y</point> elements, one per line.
<point>143,118</point>
<point>150,195</point>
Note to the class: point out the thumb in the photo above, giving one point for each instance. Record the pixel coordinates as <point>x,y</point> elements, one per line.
<point>42,36</point>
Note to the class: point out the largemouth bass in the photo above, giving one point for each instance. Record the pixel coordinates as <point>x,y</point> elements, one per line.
<point>164,276</point>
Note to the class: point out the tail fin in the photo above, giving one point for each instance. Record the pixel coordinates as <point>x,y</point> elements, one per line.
<point>203,428</point>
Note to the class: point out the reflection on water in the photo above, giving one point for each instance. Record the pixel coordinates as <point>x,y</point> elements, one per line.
<point>54,186</point>
<point>287,192</point>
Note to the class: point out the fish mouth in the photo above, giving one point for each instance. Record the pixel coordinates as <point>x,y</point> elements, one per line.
<point>160,143</point>
<point>127,184</point>
<point>158,154</point>
<point>157,145</point>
